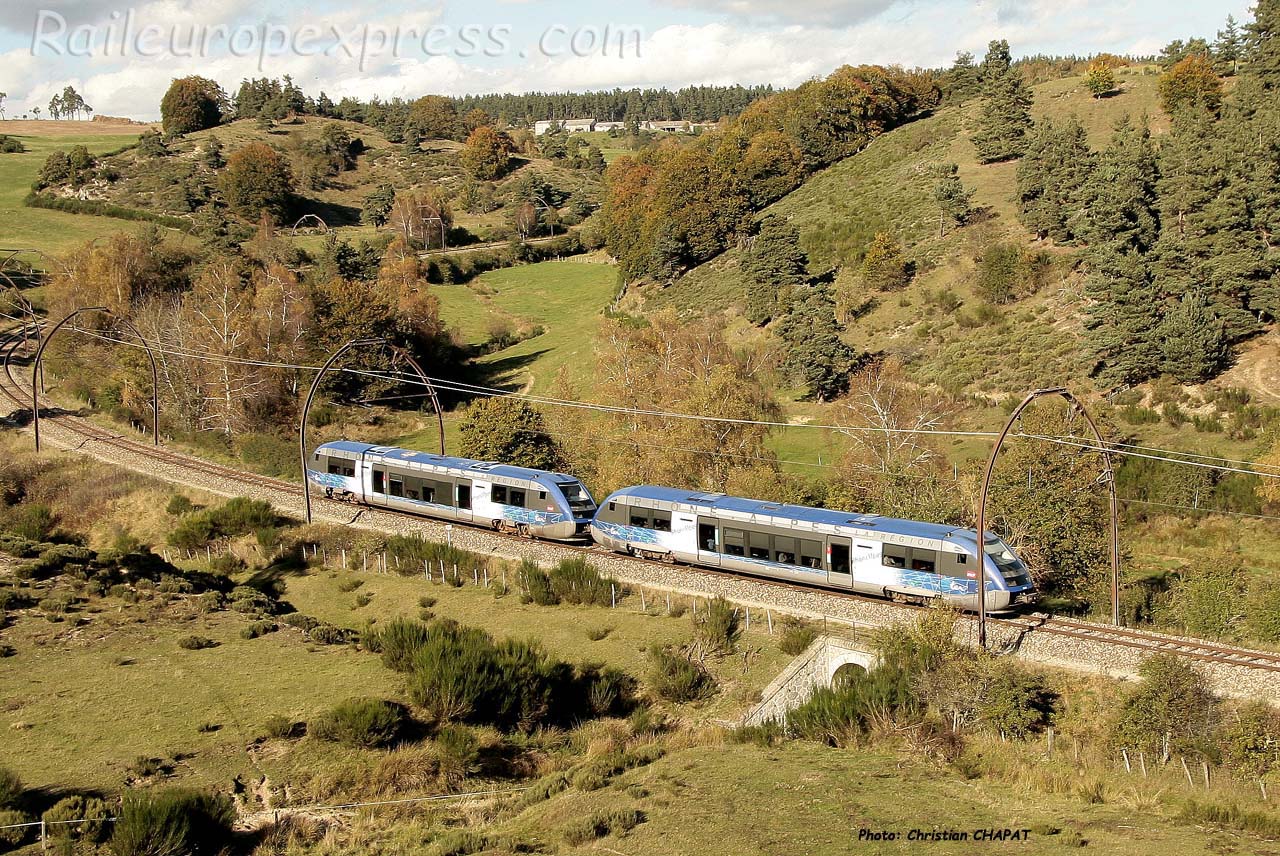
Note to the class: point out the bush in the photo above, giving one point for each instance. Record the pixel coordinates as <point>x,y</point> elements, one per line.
<point>31,520</point>
<point>602,823</point>
<point>1262,611</point>
<point>11,789</point>
<point>536,584</point>
<point>365,723</point>
<point>179,505</point>
<point>841,715</point>
<point>328,634</point>
<point>575,581</point>
<point>676,678</point>
<point>399,641</point>
<point>459,753</point>
<point>350,585</point>
<point>1172,699</point>
<point>304,623</point>
<point>279,727</point>
<point>14,837</point>
<point>258,628</point>
<point>719,627</point>
<point>11,145</point>
<point>797,636</point>
<point>1207,599</point>
<point>196,643</point>
<point>171,822</point>
<point>76,808</point>
<point>238,516</point>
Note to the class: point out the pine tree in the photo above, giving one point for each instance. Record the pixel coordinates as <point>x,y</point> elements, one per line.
<point>1192,340</point>
<point>963,81</point>
<point>1051,178</point>
<point>1262,45</point>
<point>955,201</point>
<point>1002,128</point>
<point>1228,49</point>
<point>1120,222</point>
<point>774,263</point>
<point>816,357</point>
<point>1099,79</point>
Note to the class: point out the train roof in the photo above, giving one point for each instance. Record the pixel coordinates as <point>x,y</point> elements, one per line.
<point>803,513</point>
<point>393,453</point>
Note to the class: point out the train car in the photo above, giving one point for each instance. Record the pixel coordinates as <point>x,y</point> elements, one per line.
<point>901,559</point>
<point>514,499</point>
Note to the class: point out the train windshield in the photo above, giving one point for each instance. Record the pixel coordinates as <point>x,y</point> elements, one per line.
<point>577,497</point>
<point>1008,563</point>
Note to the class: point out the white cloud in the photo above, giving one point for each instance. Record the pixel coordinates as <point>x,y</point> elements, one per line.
<point>833,12</point>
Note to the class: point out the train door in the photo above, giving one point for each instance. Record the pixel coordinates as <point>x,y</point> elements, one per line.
<point>708,541</point>
<point>462,493</point>
<point>839,565</point>
<point>378,491</point>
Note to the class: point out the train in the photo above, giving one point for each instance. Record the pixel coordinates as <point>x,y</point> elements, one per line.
<point>903,560</point>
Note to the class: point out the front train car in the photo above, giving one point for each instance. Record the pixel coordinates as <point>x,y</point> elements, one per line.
<point>906,560</point>
<point>539,503</point>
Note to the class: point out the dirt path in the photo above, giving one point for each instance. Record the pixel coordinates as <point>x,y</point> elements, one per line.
<point>1258,369</point>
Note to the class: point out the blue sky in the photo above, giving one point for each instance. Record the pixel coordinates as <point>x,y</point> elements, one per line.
<point>120,57</point>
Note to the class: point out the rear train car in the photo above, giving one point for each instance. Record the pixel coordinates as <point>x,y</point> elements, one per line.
<point>514,499</point>
<point>901,559</point>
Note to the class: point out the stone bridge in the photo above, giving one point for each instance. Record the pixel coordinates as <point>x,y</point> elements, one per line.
<point>817,666</point>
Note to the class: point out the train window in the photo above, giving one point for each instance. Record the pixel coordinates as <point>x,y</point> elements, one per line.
<point>924,560</point>
<point>464,496</point>
<point>707,537</point>
<point>516,498</point>
<point>894,556</point>
<point>499,494</point>
<point>441,492</point>
<point>379,481</point>
<point>397,486</point>
<point>811,553</point>
<point>639,517</point>
<point>735,542</point>
<point>335,468</point>
<point>784,550</point>
<point>758,545</point>
<point>953,565</point>
<point>542,494</point>
<point>662,521</point>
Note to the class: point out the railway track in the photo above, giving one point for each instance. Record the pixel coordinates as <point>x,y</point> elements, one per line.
<point>1136,640</point>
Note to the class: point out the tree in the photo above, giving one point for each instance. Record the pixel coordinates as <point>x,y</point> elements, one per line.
<point>422,218</point>
<point>1100,79</point>
<point>434,117</point>
<point>773,264</point>
<point>1228,49</point>
<point>1208,599</point>
<point>1051,178</point>
<point>964,80</point>
<point>219,313</point>
<point>816,357</point>
<point>377,205</point>
<point>211,154</point>
<point>509,431</point>
<point>1002,127</point>
<point>1171,709</point>
<point>1262,45</point>
<point>3,96</point>
<point>955,201</point>
<point>1192,341</point>
<point>884,267</point>
<point>192,104</point>
<point>487,153</point>
<point>1191,82</point>
<point>595,159</point>
<point>257,180</point>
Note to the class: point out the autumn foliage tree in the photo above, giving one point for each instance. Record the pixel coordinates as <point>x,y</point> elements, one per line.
<point>257,180</point>
<point>192,104</point>
<point>510,431</point>
<point>487,153</point>
<point>1099,79</point>
<point>1191,82</point>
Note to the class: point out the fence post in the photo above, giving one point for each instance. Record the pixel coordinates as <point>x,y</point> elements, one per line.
<point>1125,753</point>
<point>613,596</point>
<point>426,569</point>
<point>1190,781</point>
<point>1049,739</point>
<point>747,611</point>
<point>475,575</point>
<point>486,577</point>
<point>668,604</point>
<point>768,614</point>
<point>44,838</point>
<point>344,558</point>
<point>643,608</point>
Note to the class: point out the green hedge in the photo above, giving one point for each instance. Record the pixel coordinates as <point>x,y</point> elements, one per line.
<point>99,208</point>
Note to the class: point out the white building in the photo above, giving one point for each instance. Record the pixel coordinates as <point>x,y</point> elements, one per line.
<point>573,126</point>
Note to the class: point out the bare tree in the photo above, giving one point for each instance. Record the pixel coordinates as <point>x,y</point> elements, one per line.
<point>889,420</point>
<point>219,310</point>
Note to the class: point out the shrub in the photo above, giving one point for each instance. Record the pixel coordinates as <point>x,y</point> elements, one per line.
<point>459,753</point>
<point>1172,699</point>
<point>258,628</point>
<point>349,585</point>
<point>602,823</point>
<point>328,634</point>
<point>595,634</point>
<point>362,600</point>
<point>256,181</point>
<point>1207,599</point>
<point>676,678</point>
<point>31,520</point>
<point>719,627</point>
<point>226,564</point>
<point>399,641</point>
<point>575,581</point>
<point>78,807</point>
<point>1262,611</point>
<point>11,789</point>
<point>11,145</point>
<point>238,516</point>
<point>840,715</point>
<point>797,636</point>
<point>1016,703</point>
<point>536,584</point>
<point>14,837</point>
<point>196,643</point>
<point>192,533</point>
<point>278,726</point>
<point>172,821</point>
<point>303,622</point>
<point>179,505</point>
<point>361,722</point>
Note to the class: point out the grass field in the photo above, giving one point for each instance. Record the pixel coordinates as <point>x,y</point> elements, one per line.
<point>52,231</point>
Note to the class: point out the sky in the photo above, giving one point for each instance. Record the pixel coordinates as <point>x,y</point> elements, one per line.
<point>121,57</point>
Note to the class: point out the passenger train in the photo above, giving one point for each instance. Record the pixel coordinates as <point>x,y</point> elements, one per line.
<point>904,560</point>
<point>901,559</point>
<point>515,499</point>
